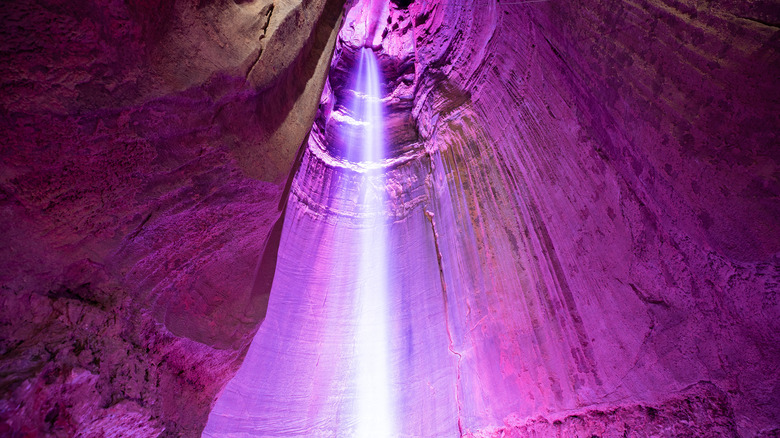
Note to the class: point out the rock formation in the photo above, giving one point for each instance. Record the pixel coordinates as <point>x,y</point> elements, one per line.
<point>593,185</point>
<point>146,145</point>
<point>601,162</point>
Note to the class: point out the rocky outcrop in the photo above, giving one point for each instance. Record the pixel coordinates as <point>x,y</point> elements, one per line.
<point>700,410</point>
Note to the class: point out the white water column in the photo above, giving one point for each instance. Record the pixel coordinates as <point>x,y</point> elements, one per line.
<point>375,407</point>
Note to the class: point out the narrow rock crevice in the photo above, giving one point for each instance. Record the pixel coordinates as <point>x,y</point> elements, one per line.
<point>451,343</point>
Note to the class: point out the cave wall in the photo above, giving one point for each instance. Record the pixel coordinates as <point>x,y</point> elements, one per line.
<point>607,172</point>
<point>145,149</point>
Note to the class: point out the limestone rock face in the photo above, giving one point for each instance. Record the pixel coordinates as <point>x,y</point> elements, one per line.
<point>605,184</point>
<point>583,195</point>
<point>145,148</point>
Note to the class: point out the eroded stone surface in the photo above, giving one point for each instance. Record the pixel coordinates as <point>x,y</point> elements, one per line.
<point>143,162</point>
<point>585,157</point>
<point>576,275</point>
<point>701,410</point>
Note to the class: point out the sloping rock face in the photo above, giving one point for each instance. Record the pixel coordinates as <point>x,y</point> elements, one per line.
<point>145,148</point>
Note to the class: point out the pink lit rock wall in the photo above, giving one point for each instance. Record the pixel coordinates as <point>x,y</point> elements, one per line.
<point>601,176</point>
<point>606,179</point>
<point>300,375</point>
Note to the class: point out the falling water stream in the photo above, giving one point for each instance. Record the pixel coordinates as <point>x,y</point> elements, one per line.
<point>354,342</point>
<point>375,407</point>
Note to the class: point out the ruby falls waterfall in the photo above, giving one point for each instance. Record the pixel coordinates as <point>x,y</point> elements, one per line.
<point>355,341</point>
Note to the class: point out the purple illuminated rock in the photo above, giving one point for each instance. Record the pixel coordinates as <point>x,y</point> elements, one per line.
<point>607,198</point>
<point>580,284</point>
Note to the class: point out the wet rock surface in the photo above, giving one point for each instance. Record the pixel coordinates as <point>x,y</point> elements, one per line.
<point>584,285</point>
<point>700,410</point>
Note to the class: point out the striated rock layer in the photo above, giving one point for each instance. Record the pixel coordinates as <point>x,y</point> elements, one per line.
<point>602,208</point>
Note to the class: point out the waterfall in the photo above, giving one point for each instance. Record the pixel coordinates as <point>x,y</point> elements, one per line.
<point>373,401</point>
<point>354,343</point>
